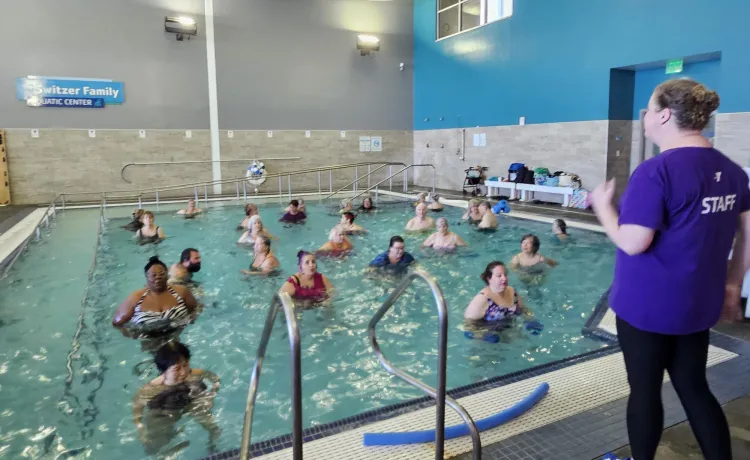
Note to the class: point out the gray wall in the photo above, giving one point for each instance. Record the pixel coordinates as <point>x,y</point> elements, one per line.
<point>292,64</point>
<point>122,40</point>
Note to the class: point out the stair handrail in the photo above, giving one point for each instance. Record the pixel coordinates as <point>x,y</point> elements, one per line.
<point>280,300</point>
<point>440,395</point>
<point>429,165</point>
<point>359,178</point>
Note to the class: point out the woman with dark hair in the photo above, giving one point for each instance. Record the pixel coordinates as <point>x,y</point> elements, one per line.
<point>560,229</point>
<point>674,231</point>
<point>158,303</point>
<point>529,256</point>
<point>395,258</point>
<point>348,226</point>
<point>178,390</point>
<point>293,215</point>
<point>307,284</point>
<point>135,224</point>
<point>498,302</point>
<point>367,205</point>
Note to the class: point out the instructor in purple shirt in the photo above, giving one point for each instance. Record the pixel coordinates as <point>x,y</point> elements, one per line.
<point>674,233</point>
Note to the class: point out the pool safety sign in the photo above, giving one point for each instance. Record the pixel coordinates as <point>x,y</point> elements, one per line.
<point>87,93</point>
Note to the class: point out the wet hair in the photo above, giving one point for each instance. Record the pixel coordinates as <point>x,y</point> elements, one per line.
<point>148,213</point>
<point>294,203</point>
<point>487,274</point>
<point>301,255</point>
<point>349,216</point>
<point>441,219</point>
<point>169,354</point>
<point>185,256</point>
<point>154,260</point>
<point>485,203</point>
<point>535,244</point>
<point>250,208</point>
<point>367,198</point>
<point>395,239</point>
<point>254,221</point>
<point>138,213</point>
<point>691,103</point>
<point>562,226</point>
<point>265,240</point>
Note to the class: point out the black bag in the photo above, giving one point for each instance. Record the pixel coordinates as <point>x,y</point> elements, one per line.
<point>528,177</point>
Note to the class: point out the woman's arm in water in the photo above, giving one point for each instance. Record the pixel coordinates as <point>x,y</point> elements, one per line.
<point>460,241</point>
<point>160,234</point>
<point>243,238</point>
<point>326,247</point>
<point>429,241</point>
<point>139,403</point>
<point>329,286</point>
<point>525,309</point>
<point>476,308</point>
<point>126,309</point>
<point>550,262</point>
<point>486,221</point>
<point>187,296</point>
<point>289,288</point>
<point>515,263</point>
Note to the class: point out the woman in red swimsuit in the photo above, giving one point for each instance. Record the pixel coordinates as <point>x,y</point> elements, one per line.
<point>307,284</point>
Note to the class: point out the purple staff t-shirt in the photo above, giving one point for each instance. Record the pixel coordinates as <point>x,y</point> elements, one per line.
<point>692,197</point>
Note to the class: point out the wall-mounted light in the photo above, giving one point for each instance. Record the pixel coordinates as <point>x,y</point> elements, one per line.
<point>366,44</point>
<point>181,26</point>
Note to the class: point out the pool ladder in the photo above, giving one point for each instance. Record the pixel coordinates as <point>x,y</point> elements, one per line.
<point>283,301</point>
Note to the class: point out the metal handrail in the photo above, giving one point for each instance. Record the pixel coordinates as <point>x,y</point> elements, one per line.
<point>280,300</point>
<point>122,171</point>
<point>440,394</point>
<point>45,217</point>
<point>126,194</point>
<point>366,175</point>
<point>395,174</point>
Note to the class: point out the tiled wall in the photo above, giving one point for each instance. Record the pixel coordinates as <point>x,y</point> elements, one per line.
<point>579,147</point>
<point>733,136</point>
<point>619,149</point>
<point>70,161</point>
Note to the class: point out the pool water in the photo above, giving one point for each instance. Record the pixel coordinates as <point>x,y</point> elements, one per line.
<point>341,376</point>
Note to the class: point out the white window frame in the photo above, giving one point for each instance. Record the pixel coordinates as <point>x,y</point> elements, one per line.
<point>482,17</point>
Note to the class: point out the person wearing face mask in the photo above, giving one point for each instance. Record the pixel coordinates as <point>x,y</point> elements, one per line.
<point>497,304</point>
<point>160,303</point>
<point>265,261</point>
<point>182,272</point>
<point>178,390</point>
<point>395,258</point>
<point>443,238</point>
<point>421,221</point>
<point>307,285</point>
<point>337,244</point>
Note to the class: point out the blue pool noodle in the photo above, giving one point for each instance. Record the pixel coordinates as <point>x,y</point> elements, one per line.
<point>455,431</point>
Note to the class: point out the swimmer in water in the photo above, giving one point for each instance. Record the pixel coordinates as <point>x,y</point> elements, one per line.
<point>472,213</point>
<point>294,215</point>
<point>421,221</point>
<point>300,206</point>
<point>395,258</point>
<point>443,238</point>
<point>250,211</point>
<point>436,205</point>
<point>307,285</point>
<point>265,261</point>
<point>135,224</point>
<point>191,210</point>
<point>346,206</point>
<point>367,205</point>
<point>348,226</point>
<point>489,219</point>
<point>178,390</point>
<point>149,233</point>
<point>529,258</point>
<point>497,301</point>
<point>421,198</point>
<point>256,229</point>
<point>182,272</point>
<point>337,243</point>
<point>158,302</point>
<point>560,229</point>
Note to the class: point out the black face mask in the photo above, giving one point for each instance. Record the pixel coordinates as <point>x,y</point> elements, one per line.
<point>192,268</point>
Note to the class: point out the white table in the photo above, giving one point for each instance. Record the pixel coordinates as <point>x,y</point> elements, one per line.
<point>496,185</point>
<point>527,192</point>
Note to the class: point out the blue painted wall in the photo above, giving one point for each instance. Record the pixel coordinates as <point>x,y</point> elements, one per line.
<point>551,60</point>
<point>707,72</point>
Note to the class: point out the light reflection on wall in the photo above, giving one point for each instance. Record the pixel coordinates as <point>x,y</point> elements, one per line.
<point>469,48</point>
<point>358,16</point>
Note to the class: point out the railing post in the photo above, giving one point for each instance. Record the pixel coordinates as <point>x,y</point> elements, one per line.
<point>157,199</point>
<point>195,192</point>
<point>368,177</point>
<point>406,179</point>
<point>390,178</point>
<point>63,200</point>
<point>356,178</point>
<point>244,190</point>
<point>140,202</point>
<point>104,200</point>
<point>54,210</point>
<point>38,234</point>
<point>205,192</point>
<point>330,181</point>
<point>280,192</point>
<point>289,184</point>
<point>46,219</point>
<point>237,184</point>
<point>319,192</point>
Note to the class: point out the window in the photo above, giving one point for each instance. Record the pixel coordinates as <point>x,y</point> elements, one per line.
<point>456,16</point>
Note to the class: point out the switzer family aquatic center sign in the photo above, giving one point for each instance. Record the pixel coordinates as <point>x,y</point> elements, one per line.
<point>88,93</point>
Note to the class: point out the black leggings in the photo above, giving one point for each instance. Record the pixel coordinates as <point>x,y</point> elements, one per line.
<point>647,355</point>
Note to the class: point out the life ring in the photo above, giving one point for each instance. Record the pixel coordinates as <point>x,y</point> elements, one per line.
<point>256,174</point>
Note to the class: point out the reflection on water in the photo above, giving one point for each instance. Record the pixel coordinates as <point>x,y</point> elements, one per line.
<point>341,375</point>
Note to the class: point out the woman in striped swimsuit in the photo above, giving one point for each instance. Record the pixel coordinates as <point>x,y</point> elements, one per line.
<point>159,304</point>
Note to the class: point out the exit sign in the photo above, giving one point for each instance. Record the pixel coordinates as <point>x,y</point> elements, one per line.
<point>674,66</point>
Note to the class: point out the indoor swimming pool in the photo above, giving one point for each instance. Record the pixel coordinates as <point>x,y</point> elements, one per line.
<point>50,407</point>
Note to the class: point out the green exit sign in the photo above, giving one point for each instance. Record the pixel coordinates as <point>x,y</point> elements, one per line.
<point>674,66</point>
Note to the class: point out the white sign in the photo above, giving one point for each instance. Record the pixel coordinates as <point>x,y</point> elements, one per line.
<point>34,133</point>
<point>343,134</point>
<point>188,134</point>
<point>376,143</point>
<point>142,133</point>
<point>476,140</point>
<point>307,133</point>
<point>483,140</point>
<point>230,134</point>
<point>270,134</point>
<point>92,133</point>
<point>522,121</point>
<point>364,144</point>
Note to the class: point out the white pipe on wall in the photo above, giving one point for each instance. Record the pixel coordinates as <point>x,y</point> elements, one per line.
<point>213,97</point>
